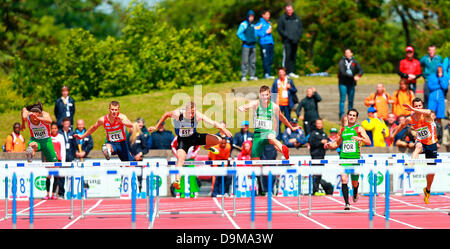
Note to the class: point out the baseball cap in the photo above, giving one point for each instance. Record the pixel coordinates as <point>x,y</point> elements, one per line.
<point>409,49</point>
<point>372,109</point>
<point>333,130</point>
<point>245,122</point>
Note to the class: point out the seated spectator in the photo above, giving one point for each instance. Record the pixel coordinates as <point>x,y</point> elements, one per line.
<point>439,130</point>
<point>390,125</point>
<point>446,137</point>
<point>376,128</point>
<point>84,145</point>
<point>224,149</point>
<point>404,138</point>
<point>141,123</point>
<point>380,100</point>
<point>246,151</point>
<point>243,135</point>
<point>162,138</point>
<point>402,96</point>
<point>311,110</point>
<point>136,142</point>
<point>437,85</point>
<point>221,134</point>
<point>333,137</point>
<point>294,139</point>
<point>15,141</point>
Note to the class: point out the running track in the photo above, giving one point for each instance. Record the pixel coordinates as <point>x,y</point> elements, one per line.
<point>240,221</point>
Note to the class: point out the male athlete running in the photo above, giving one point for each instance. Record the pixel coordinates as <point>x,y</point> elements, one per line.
<point>265,123</point>
<point>426,138</point>
<point>114,124</point>
<point>39,124</point>
<point>351,136</point>
<point>185,122</point>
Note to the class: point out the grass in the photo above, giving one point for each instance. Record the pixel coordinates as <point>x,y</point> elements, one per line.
<point>151,106</point>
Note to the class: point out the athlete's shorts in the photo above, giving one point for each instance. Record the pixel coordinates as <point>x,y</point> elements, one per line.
<point>46,147</point>
<point>122,150</point>
<point>352,176</point>
<point>185,143</point>
<point>430,151</point>
<point>260,140</point>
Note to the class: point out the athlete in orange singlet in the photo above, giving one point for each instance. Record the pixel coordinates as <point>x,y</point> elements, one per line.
<point>426,138</point>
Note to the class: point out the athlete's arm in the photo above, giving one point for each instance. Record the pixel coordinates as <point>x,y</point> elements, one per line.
<point>24,118</point>
<point>246,107</point>
<point>363,137</point>
<point>425,112</point>
<point>333,145</point>
<point>46,118</point>
<point>91,129</point>
<point>166,115</point>
<point>125,121</point>
<point>207,120</point>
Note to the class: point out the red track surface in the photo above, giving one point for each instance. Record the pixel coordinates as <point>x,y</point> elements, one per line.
<point>240,221</point>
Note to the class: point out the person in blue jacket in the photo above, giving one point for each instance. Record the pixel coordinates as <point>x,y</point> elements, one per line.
<point>437,85</point>
<point>266,43</point>
<point>246,32</point>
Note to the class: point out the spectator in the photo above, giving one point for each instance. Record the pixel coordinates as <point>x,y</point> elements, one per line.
<point>269,153</point>
<point>221,134</point>
<point>64,107</point>
<point>224,149</point>
<point>245,153</point>
<point>429,65</point>
<point>162,138</point>
<point>266,43</point>
<point>294,139</point>
<point>390,123</point>
<point>439,130</point>
<point>71,146</point>
<point>446,137</point>
<point>290,28</point>
<point>376,128</point>
<point>446,65</point>
<point>350,71</point>
<point>311,109</point>
<point>409,69</point>
<point>141,123</point>
<point>15,141</point>
<point>243,135</point>
<point>380,100</point>
<point>84,145</point>
<point>333,137</point>
<point>60,150</point>
<point>285,90</point>
<point>437,86</point>
<point>404,138</point>
<point>246,32</point>
<point>317,149</point>
<point>402,96</point>
<point>136,142</point>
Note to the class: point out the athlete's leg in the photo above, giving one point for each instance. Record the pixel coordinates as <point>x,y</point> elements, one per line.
<point>181,157</point>
<point>344,187</point>
<point>283,149</point>
<point>211,140</point>
<point>418,149</point>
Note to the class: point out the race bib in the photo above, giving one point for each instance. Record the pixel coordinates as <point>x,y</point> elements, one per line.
<point>115,136</point>
<point>40,133</point>
<point>186,132</point>
<point>349,146</point>
<point>284,94</point>
<point>263,124</point>
<point>423,133</point>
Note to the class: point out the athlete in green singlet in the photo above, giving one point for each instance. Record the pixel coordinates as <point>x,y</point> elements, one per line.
<point>265,123</point>
<point>39,124</point>
<point>351,137</point>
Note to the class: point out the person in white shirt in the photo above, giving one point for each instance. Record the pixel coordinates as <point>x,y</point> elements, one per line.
<point>60,149</point>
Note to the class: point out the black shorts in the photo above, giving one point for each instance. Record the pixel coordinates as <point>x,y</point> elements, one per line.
<point>430,151</point>
<point>185,143</point>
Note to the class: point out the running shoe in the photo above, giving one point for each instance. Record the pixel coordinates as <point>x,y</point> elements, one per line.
<point>243,79</point>
<point>54,197</point>
<point>427,195</point>
<point>253,78</point>
<point>213,150</point>
<point>347,207</point>
<point>176,184</point>
<point>106,151</point>
<point>319,194</point>
<point>285,151</point>
<point>46,197</point>
<point>29,153</point>
<point>356,198</point>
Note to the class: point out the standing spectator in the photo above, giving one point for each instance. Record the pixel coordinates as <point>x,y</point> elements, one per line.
<point>86,144</point>
<point>246,32</point>
<point>294,139</point>
<point>71,146</point>
<point>266,43</point>
<point>446,65</point>
<point>285,91</point>
<point>376,128</point>
<point>290,28</point>
<point>429,65</point>
<point>64,107</point>
<point>350,71</point>
<point>311,108</point>
<point>224,149</point>
<point>380,100</point>
<point>15,141</point>
<point>437,86</point>
<point>60,150</point>
<point>162,138</point>
<point>243,135</point>
<point>409,69</point>
<point>136,142</point>
<point>402,96</point>
<point>390,123</point>
<point>317,149</point>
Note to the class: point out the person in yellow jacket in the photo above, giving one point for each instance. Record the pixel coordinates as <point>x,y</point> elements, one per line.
<point>376,128</point>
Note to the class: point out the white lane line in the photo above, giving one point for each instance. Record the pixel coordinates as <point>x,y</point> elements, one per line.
<point>79,217</point>
<point>308,218</point>
<point>226,214</point>
<point>401,222</point>
<point>413,205</point>
<point>26,209</point>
